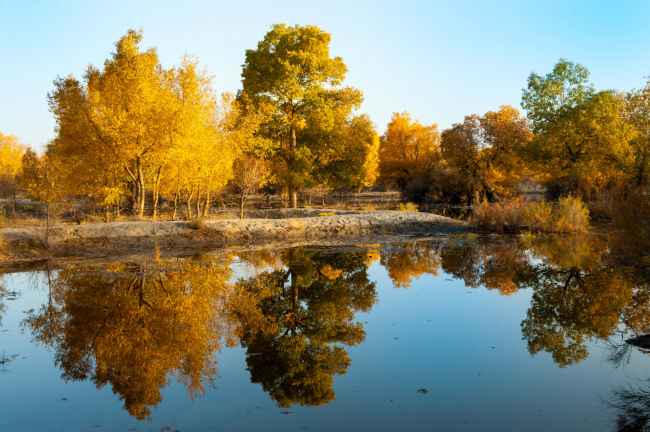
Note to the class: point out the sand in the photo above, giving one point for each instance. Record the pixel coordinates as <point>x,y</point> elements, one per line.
<point>121,237</point>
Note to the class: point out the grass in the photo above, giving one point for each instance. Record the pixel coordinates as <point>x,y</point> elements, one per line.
<point>569,214</point>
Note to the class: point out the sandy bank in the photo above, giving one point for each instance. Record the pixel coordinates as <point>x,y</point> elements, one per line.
<point>120,237</point>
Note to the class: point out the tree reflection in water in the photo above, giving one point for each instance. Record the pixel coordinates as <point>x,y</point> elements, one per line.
<point>137,326</point>
<point>578,295</point>
<point>295,321</point>
<point>134,326</point>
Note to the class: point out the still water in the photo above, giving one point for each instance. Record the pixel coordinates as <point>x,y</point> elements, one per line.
<point>464,333</point>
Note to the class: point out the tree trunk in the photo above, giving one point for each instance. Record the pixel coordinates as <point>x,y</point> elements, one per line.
<point>156,194</point>
<point>189,203</point>
<point>241,206</point>
<point>206,205</point>
<point>293,196</point>
<point>198,202</point>
<point>47,225</point>
<point>175,202</point>
<point>141,187</point>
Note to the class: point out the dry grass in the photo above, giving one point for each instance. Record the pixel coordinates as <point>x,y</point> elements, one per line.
<point>569,214</point>
<point>297,225</point>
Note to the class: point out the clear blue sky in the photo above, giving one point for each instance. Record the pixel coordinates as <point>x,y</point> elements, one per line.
<point>438,60</point>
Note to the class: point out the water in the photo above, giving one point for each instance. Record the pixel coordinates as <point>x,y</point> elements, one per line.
<point>457,333</point>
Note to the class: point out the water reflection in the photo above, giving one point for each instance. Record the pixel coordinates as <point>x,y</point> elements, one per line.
<point>294,322</point>
<point>578,294</point>
<point>137,326</point>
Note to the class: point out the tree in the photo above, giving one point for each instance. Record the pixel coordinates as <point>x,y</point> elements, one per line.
<point>574,126</point>
<point>483,149</point>
<point>11,154</point>
<point>127,124</point>
<point>42,180</point>
<point>635,159</point>
<point>249,175</point>
<point>352,157</point>
<point>408,149</point>
<point>291,81</point>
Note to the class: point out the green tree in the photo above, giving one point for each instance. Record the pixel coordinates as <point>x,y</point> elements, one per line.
<point>291,81</point>
<point>574,127</point>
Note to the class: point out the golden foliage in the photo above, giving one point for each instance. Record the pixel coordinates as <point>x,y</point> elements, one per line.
<point>408,148</point>
<point>483,149</point>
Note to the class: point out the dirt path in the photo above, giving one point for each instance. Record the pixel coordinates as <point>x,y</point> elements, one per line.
<point>124,237</point>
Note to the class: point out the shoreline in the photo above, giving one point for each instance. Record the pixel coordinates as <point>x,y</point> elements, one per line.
<point>113,238</point>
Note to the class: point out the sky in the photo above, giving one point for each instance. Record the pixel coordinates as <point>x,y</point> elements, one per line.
<point>438,60</point>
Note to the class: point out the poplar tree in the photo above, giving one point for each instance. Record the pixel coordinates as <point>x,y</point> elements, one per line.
<point>291,81</point>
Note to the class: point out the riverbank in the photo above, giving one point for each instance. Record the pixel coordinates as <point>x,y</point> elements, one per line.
<point>25,244</point>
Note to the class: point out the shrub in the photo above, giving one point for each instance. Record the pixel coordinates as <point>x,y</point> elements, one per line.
<point>198,224</point>
<point>538,217</point>
<point>569,214</point>
<point>326,214</point>
<point>500,216</point>
<point>409,206</point>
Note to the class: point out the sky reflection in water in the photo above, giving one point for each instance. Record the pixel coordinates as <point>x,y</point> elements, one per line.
<point>327,339</point>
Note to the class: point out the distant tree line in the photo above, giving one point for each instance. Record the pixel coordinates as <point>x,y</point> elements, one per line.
<point>133,132</point>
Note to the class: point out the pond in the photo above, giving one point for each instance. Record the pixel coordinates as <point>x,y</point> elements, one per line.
<point>467,333</point>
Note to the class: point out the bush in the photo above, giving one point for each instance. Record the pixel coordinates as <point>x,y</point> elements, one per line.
<point>409,207</point>
<point>325,214</point>
<point>569,214</point>
<point>198,224</point>
<point>499,216</point>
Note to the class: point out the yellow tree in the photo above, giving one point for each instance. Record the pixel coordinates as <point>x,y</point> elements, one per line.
<point>408,149</point>
<point>634,159</point>
<point>204,161</point>
<point>42,180</point>
<point>11,154</point>
<point>484,149</point>
<point>291,80</point>
<point>124,125</point>
<point>350,158</point>
<point>249,174</point>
